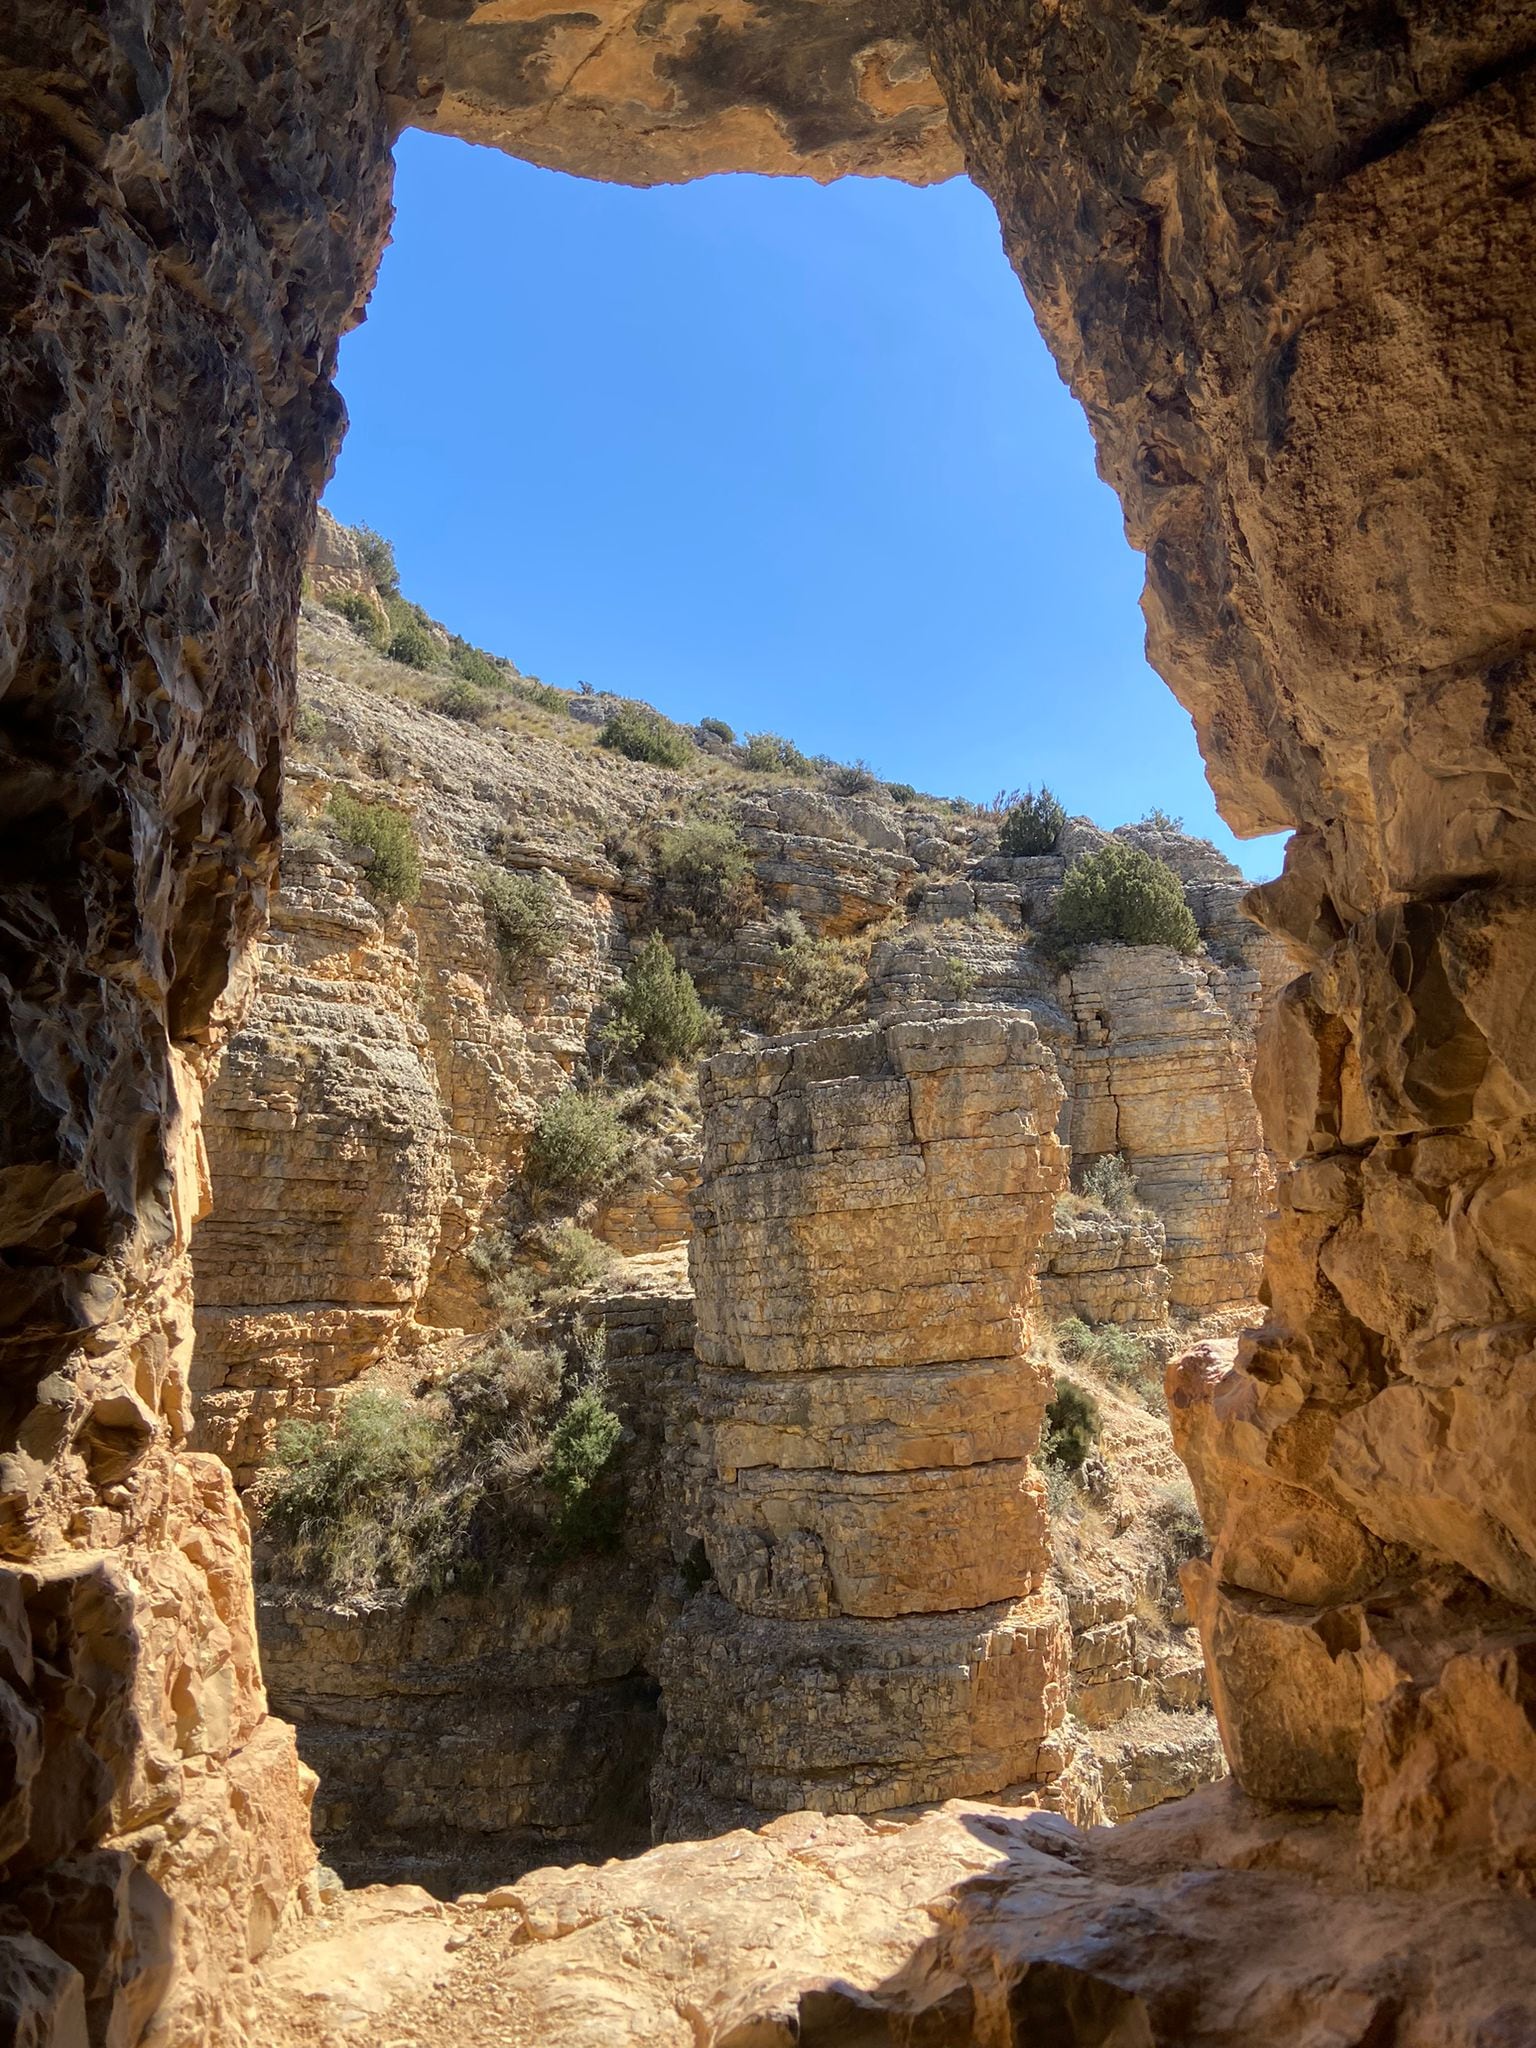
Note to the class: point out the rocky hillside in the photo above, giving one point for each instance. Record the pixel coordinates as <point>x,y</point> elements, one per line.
<point>371,1120</point>
<point>472,878</point>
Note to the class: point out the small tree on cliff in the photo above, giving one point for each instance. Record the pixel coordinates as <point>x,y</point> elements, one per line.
<point>1033,824</point>
<point>1120,896</point>
<point>657,1015</point>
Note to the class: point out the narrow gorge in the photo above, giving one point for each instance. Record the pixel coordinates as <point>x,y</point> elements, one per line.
<point>368,1139</point>
<point>275,1145</point>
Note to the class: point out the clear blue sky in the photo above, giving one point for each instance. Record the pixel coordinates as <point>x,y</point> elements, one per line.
<point>791,456</point>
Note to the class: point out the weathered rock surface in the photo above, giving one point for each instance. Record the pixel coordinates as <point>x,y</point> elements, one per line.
<point>653,98</point>
<point>1294,304</point>
<point>863,1254</point>
<point>193,204</point>
<point>968,1925</point>
<point>1285,264</point>
<point>462,1739</point>
<point>372,1111</point>
<point>1160,1076</point>
<point>1106,1269</point>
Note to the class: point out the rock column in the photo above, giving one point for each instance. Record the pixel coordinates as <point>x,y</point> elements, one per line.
<point>877,1631</point>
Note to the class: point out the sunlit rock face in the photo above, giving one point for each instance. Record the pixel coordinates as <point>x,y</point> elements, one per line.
<point>866,1227</point>
<point>653,94</point>
<point>1287,273</point>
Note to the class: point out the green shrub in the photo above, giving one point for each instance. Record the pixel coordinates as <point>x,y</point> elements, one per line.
<point>1160,820</point>
<point>1071,1428</point>
<point>815,980</point>
<point>720,729</point>
<point>378,560</point>
<point>1122,1357</point>
<point>574,1258</point>
<point>957,979</point>
<point>463,700</point>
<point>767,754</point>
<point>414,1497</point>
<point>1109,1184</point>
<point>640,734</point>
<point>394,871</point>
<point>706,866</point>
<point>412,645</point>
<point>474,664</point>
<point>1120,896</point>
<point>310,727</point>
<point>543,696</point>
<point>657,1015</point>
<point>579,1145</point>
<point>360,613</point>
<point>355,1510</point>
<point>901,793</point>
<point>581,1448</point>
<point>1033,824</point>
<point>525,915</point>
<point>509,1281</point>
<point>1180,1533</point>
<point>853,778</point>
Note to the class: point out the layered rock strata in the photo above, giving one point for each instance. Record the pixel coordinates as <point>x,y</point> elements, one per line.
<point>372,1112</point>
<point>1155,1050</point>
<point>863,1252</point>
<point>1106,1269</point>
<point>1160,1076</point>
<point>1285,265</point>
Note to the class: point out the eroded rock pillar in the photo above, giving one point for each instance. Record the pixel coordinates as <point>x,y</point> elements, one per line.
<point>878,1630</point>
<point>1286,267</point>
<point>192,202</point>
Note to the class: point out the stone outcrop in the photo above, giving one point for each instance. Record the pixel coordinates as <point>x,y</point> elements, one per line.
<point>1303,339</point>
<point>1160,1076</point>
<point>1106,1269</point>
<point>652,98</point>
<point>863,1255</point>
<point>372,1112</point>
<point>337,565</point>
<point>839,862</point>
<point>1203,1925</point>
<point>1155,1050</point>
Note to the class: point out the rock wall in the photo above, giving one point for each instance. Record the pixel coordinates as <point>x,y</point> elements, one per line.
<point>1159,1074</point>
<point>1285,269</point>
<point>371,1112</point>
<point>1106,1269</point>
<point>466,1738</point>
<point>863,1257</point>
<point>368,1121</point>
<point>192,202</point>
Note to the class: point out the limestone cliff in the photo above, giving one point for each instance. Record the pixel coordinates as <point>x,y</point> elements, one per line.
<point>369,1120</point>
<point>863,1255</point>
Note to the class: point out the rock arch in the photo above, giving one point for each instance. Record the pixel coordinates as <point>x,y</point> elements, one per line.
<point>1283,261</point>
